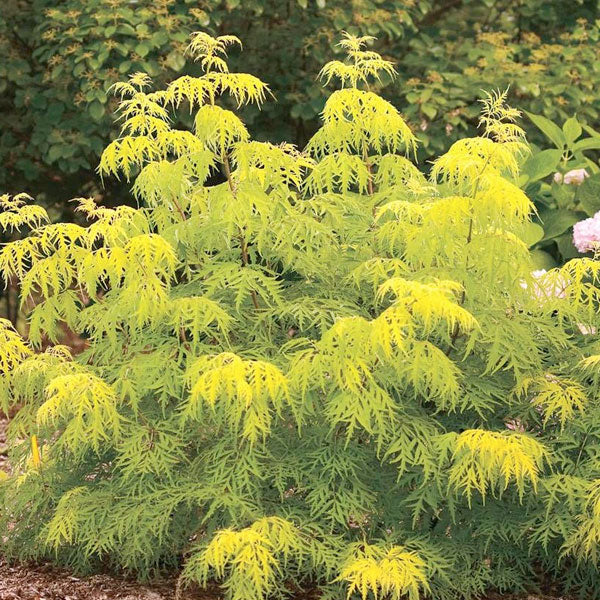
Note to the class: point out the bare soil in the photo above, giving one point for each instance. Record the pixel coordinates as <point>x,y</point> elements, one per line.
<point>44,582</point>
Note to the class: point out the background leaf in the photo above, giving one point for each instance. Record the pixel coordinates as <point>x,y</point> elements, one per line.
<point>556,222</point>
<point>551,130</point>
<point>572,130</point>
<point>541,164</point>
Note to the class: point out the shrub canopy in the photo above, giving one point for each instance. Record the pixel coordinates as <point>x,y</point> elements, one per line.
<point>327,370</point>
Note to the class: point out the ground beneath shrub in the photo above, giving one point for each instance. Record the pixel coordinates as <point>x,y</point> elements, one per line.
<point>23,582</point>
<point>43,582</point>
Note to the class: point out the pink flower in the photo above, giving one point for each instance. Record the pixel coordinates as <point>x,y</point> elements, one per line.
<point>586,234</point>
<point>573,177</point>
<point>576,176</point>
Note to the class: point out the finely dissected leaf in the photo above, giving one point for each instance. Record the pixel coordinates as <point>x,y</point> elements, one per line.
<point>487,459</point>
<point>395,572</point>
<point>301,368</point>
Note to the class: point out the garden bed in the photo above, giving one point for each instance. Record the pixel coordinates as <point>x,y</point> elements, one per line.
<point>25,582</point>
<point>28,582</point>
<point>43,582</point>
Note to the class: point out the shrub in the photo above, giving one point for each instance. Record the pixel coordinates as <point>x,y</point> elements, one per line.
<point>548,64</point>
<point>328,370</point>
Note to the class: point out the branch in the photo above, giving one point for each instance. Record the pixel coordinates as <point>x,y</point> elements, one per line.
<point>434,15</point>
<point>243,243</point>
<point>456,330</point>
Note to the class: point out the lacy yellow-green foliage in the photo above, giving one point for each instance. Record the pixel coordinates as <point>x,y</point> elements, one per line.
<point>302,367</point>
<point>14,350</point>
<point>87,403</point>
<point>251,387</point>
<point>482,458</point>
<point>555,397</point>
<point>393,573</point>
<point>253,560</point>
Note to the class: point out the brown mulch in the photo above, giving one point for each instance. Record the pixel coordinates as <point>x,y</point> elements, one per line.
<point>30,582</point>
<point>44,582</point>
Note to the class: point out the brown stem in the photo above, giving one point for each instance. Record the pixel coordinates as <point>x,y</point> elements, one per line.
<point>243,243</point>
<point>227,167</point>
<point>179,210</point>
<point>184,339</point>
<point>244,248</point>
<point>370,189</point>
<point>245,261</point>
<point>456,331</point>
<point>254,299</point>
<point>9,309</point>
<point>369,170</point>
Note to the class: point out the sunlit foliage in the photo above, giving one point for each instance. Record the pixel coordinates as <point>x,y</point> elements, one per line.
<point>328,370</point>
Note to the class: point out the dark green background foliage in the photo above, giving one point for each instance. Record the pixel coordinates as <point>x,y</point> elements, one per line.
<point>57,60</point>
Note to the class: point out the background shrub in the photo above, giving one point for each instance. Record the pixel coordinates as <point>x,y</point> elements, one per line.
<point>564,182</point>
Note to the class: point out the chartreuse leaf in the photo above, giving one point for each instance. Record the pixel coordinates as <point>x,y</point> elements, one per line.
<point>308,368</point>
